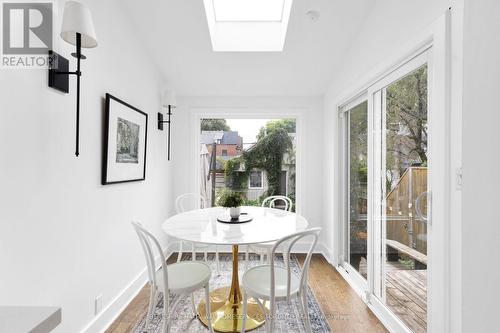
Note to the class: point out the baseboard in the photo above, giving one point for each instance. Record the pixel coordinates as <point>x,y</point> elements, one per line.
<point>114,308</point>
<point>321,248</point>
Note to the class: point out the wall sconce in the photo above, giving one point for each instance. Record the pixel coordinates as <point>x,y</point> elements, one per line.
<point>168,101</point>
<point>77,29</point>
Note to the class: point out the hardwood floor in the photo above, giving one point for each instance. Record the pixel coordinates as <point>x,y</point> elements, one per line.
<point>344,309</point>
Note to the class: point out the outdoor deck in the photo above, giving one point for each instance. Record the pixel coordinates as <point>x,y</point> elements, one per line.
<point>407,296</point>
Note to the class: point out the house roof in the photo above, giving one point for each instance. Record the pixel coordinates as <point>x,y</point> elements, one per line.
<point>230,138</point>
<point>225,137</point>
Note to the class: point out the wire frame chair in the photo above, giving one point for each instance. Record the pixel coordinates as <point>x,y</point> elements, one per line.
<point>257,289</point>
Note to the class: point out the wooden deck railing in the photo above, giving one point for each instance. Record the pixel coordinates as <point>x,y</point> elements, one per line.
<point>402,223</point>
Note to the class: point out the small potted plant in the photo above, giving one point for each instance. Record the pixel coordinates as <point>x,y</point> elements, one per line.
<point>233,201</point>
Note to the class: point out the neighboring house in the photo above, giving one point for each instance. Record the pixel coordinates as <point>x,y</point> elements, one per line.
<point>229,143</point>
<point>257,178</point>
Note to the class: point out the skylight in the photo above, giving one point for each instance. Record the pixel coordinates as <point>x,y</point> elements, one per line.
<point>248,25</point>
<point>248,10</point>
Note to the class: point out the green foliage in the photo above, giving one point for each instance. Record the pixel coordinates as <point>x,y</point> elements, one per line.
<point>222,162</point>
<point>406,124</point>
<point>230,198</point>
<point>273,142</point>
<point>255,203</point>
<point>407,263</point>
<point>289,125</point>
<point>235,179</point>
<point>406,129</point>
<point>214,125</point>
<point>267,154</point>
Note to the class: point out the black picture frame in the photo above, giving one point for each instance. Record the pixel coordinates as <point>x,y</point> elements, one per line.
<point>106,149</point>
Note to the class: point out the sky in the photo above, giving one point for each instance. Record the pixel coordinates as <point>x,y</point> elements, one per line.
<point>247,128</point>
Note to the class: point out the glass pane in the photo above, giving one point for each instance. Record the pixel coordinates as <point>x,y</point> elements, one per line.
<point>254,157</point>
<point>255,179</point>
<point>358,187</point>
<point>405,196</point>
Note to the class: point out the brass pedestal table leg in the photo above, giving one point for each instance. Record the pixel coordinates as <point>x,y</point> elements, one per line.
<point>227,307</point>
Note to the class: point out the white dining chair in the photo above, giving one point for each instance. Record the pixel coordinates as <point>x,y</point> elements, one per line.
<point>179,279</point>
<point>272,201</point>
<point>181,205</point>
<point>277,283</point>
<point>264,249</point>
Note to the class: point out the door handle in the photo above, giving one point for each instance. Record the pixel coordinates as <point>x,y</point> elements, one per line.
<point>418,203</point>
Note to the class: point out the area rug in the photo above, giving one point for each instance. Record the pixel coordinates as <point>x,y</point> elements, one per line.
<point>289,323</point>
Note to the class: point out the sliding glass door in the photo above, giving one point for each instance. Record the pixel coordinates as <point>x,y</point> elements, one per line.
<point>386,191</point>
<point>402,217</point>
<point>356,154</point>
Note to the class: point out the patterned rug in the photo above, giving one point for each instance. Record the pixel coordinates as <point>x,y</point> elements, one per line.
<point>289,322</point>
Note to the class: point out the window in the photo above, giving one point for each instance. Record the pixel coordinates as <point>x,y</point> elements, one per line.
<point>248,25</point>
<point>255,179</point>
<point>246,160</point>
<point>248,10</point>
<point>357,172</point>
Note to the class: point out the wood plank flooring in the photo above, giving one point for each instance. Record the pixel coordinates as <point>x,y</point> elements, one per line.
<point>406,293</point>
<point>344,309</point>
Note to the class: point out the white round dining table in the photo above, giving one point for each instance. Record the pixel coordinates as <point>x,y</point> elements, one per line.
<point>202,226</point>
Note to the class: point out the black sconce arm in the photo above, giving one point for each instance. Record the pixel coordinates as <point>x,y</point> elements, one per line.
<point>59,80</point>
<point>160,126</point>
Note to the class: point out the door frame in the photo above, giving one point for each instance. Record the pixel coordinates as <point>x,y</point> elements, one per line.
<point>436,39</point>
<point>343,239</point>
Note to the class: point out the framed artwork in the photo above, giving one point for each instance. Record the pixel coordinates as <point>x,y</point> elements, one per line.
<point>125,139</point>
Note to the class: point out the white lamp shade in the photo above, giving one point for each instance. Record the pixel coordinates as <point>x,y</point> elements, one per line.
<point>169,98</point>
<point>78,19</point>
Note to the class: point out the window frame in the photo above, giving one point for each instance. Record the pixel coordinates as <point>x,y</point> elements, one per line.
<point>250,187</point>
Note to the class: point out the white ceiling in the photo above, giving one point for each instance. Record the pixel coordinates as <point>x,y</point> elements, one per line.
<point>176,34</point>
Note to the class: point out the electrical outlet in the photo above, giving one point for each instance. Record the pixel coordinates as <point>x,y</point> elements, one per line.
<point>97,304</point>
<point>458,177</point>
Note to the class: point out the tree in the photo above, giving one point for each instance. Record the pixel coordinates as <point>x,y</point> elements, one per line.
<point>288,125</point>
<point>273,141</point>
<point>406,124</point>
<point>214,125</point>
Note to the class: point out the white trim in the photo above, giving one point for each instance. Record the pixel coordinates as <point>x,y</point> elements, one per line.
<point>114,308</point>
<point>118,304</point>
<point>344,170</point>
<point>456,85</point>
<point>353,102</point>
<point>299,247</point>
<point>228,112</point>
<point>347,277</point>
<point>250,187</point>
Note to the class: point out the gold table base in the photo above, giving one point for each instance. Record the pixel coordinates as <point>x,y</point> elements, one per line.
<point>227,307</point>
<point>226,317</point>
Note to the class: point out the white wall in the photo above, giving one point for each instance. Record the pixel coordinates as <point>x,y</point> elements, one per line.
<point>65,238</point>
<point>310,145</point>
<point>481,118</point>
